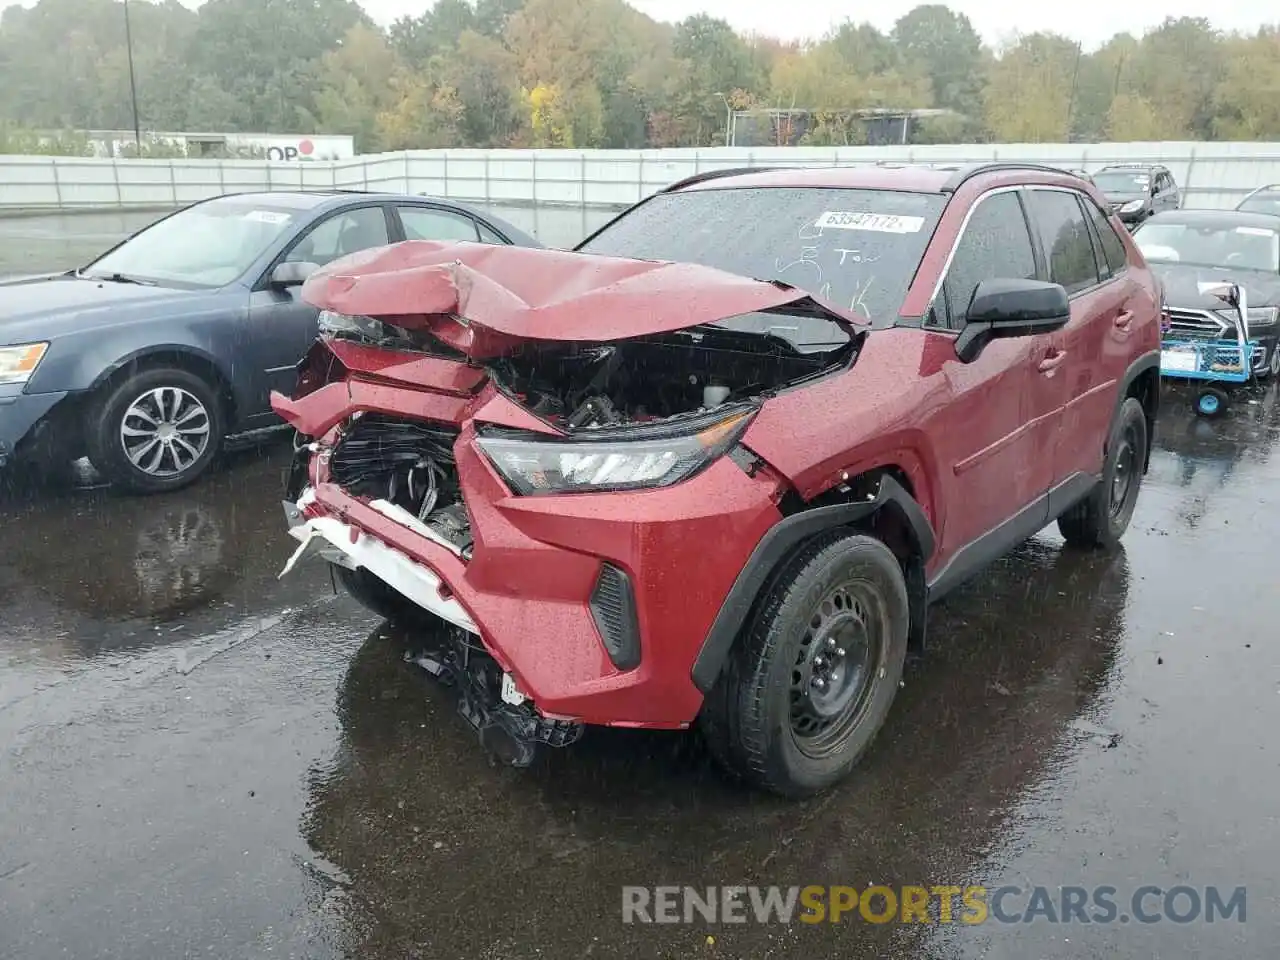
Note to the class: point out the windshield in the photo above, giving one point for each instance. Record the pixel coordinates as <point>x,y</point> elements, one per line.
<point>208,245</point>
<point>857,249</point>
<point>1124,183</point>
<point>1264,201</point>
<point>1211,245</point>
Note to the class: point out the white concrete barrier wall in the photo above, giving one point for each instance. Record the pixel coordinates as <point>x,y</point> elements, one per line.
<point>1210,174</point>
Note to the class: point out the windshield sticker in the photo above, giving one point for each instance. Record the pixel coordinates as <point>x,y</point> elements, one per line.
<point>874,222</point>
<point>267,216</point>
<point>1256,231</point>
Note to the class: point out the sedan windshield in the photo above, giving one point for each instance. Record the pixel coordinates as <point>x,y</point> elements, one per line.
<point>1211,245</point>
<point>207,245</point>
<point>857,249</point>
<point>1122,183</point>
<point>1264,201</point>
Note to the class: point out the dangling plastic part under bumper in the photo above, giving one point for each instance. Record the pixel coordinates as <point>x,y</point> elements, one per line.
<point>351,547</point>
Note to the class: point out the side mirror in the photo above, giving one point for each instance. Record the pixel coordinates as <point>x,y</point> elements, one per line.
<point>1011,308</point>
<point>292,273</point>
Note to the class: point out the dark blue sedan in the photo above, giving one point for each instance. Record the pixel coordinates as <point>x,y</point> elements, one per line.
<point>147,358</point>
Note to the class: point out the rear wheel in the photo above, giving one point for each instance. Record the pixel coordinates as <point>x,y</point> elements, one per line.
<point>1101,519</point>
<point>158,430</point>
<point>811,681</point>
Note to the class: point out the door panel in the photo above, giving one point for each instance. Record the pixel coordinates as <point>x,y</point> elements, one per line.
<point>280,326</point>
<point>985,448</point>
<point>1077,397</point>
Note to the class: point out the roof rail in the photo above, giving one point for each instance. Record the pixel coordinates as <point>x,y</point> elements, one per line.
<point>717,174</point>
<point>966,173</point>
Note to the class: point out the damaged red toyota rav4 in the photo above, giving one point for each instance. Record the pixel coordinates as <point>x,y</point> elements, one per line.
<point>713,465</point>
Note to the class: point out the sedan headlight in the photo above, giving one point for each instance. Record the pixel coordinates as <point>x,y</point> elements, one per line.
<point>613,463</point>
<point>1256,317</point>
<point>17,364</point>
<point>363,328</point>
<point>1133,206</point>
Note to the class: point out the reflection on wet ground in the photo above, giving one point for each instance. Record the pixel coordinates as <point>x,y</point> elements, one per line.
<point>204,760</point>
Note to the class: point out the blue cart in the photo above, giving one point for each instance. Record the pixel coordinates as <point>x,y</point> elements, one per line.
<point>1214,366</point>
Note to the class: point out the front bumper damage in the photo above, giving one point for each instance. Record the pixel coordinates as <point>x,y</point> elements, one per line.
<point>489,699</point>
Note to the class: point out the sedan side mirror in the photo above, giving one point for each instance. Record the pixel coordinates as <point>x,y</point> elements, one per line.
<point>292,273</point>
<point>1011,308</point>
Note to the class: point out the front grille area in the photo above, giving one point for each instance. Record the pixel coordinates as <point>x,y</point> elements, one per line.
<point>1197,323</point>
<point>613,606</point>
<point>408,463</point>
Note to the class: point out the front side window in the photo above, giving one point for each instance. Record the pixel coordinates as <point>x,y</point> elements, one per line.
<point>1064,237</point>
<point>208,245</point>
<point>1212,244</point>
<point>995,245</point>
<point>857,249</point>
<point>341,234</point>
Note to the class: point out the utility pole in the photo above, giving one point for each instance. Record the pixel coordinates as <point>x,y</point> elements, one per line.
<point>728,119</point>
<point>133,83</point>
<point>1075,79</point>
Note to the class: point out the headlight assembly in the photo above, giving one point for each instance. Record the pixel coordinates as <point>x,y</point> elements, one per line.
<point>1133,206</point>
<point>361,328</point>
<point>614,463</point>
<point>18,363</point>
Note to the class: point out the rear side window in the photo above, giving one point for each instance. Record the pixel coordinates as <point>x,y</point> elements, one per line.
<point>1064,237</point>
<point>1112,247</point>
<point>995,245</point>
<point>425,223</point>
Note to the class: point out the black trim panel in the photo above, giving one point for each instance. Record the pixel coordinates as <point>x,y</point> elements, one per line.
<point>976,556</point>
<point>784,537</point>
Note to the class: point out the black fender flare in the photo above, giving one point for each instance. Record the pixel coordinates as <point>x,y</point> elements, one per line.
<point>776,545</point>
<point>1147,361</point>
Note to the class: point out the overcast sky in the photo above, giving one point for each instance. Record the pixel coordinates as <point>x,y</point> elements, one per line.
<point>1091,21</point>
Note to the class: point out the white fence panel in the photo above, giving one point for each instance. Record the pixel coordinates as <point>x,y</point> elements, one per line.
<point>1211,174</point>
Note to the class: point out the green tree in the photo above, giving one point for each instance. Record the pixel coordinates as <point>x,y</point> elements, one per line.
<point>1028,92</point>
<point>1247,99</point>
<point>943,45</point>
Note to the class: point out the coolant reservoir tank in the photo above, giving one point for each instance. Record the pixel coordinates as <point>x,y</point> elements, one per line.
<point>713,396</point>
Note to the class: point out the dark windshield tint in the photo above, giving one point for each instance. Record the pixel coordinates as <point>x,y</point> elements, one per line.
<point>1123,182</point>
<point>1264,201</point>
<point>857,249</point>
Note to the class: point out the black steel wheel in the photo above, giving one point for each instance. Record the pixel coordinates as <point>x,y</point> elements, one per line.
<point>1101,519</point>
<point>811,681</point>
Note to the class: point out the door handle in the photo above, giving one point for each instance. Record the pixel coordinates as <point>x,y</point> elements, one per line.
<point>1123,320</point>
<point>1052,361</point>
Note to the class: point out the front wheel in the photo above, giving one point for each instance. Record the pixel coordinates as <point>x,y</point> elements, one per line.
<point>1101,519</point>
<point>156,431</point>
<point>810,683</point>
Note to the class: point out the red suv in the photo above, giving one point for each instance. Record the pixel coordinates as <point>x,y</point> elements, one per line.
<point>634,487</point>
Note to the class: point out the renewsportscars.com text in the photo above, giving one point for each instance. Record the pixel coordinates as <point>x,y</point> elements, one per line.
<point>938,904</point>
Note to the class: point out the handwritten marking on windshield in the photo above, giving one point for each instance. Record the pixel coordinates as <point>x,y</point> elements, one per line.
<point>857,256</point>
<point>858,304</point>
<point>808,258</point>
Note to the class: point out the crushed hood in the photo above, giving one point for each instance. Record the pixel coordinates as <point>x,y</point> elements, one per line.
<point>486,299</point>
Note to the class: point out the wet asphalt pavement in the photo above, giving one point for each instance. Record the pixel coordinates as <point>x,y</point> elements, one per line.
<point>202,761</point>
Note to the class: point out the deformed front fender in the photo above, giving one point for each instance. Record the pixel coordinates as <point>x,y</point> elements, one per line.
<point>781,540</point>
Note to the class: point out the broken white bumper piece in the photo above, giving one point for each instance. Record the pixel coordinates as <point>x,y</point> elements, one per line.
<point>352,548</point>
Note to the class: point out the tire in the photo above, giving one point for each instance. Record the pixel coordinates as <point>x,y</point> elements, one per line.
<point>132,408</point>
<point>1210,402</point>
<point>1100,520</point>
<point>377,597</point>
<point>843,592</point>
<point>1273,362</point>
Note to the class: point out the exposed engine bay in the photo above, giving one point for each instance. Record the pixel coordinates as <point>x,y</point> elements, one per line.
<point>583,386</point>
<point>407,463</point>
